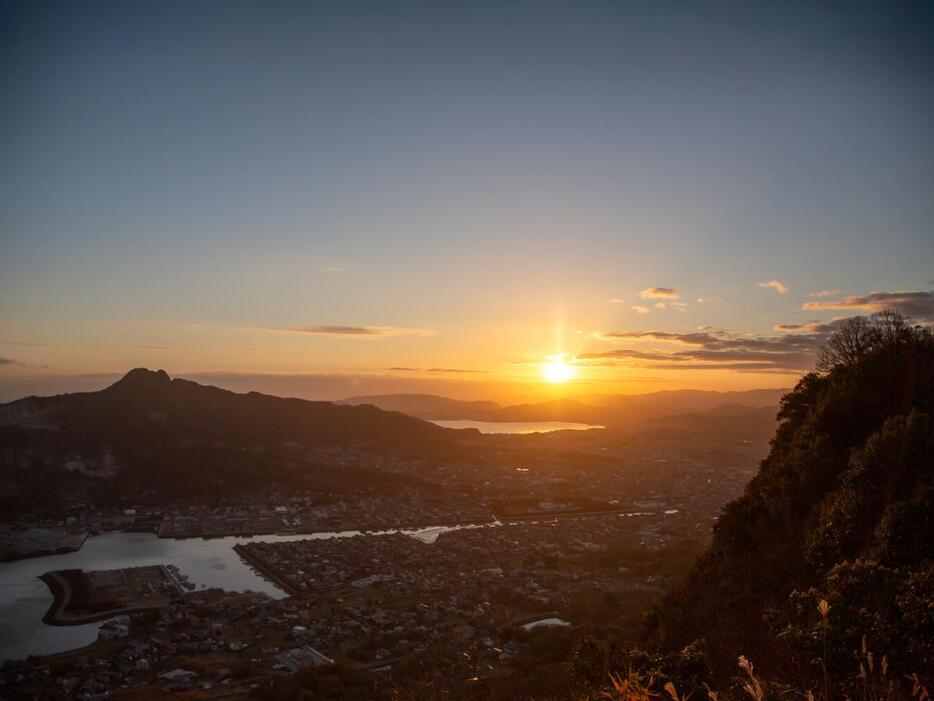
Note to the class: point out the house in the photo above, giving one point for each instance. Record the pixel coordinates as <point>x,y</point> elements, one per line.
<point>179,678</point>
<point>302,657</point>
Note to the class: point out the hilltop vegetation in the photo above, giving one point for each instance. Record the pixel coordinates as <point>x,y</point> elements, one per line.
<point>824,565</point>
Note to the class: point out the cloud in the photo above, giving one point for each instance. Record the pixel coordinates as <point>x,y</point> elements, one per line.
<point>823,293</point>
<point>775,285</point>
<point>620,354</point>
<point>358,331</point>
<point>914,305</point>
<point>617,300</point>
<point>336,330</point>
<point>680,306</point>
<point>433,370</point>
<point>20,364</point>
<point>809,327</point>
<point>147,347</point>
<point>702,337</point>
<point>716,349</point>
<point>660,293</point>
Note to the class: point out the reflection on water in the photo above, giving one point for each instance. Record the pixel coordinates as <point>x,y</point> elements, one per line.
<point>517,426</point>
<point>24,599</point>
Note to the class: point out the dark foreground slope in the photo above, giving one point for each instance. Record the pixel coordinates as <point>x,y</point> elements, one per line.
<point>149,431</point>
<point>841,511</point>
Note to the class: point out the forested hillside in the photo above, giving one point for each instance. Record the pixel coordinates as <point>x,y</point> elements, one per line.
<point>824,566</point>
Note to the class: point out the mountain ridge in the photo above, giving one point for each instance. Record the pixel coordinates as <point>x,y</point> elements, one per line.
<point>175,435</point>
<point>624,411</point>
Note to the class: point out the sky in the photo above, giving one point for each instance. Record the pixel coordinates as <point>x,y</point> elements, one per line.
<point>424,196</point>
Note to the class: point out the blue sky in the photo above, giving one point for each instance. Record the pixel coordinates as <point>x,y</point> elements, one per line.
<point>196,177</point>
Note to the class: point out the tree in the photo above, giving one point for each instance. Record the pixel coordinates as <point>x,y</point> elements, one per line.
<point>855,338</point>
<point>890,325</point>
<point>858,336</point>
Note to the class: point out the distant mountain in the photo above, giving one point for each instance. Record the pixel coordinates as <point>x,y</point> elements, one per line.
<point>436,408</point>
<point>618,412</point>
<point>553,410</point>
<point>426,406</point>
<point>148,431</point>
<point>732,420</point>
<point>692,399</point>
<point>148,405</point>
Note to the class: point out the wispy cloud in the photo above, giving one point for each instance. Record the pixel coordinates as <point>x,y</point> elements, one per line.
<point>148,347</point>
<point>775,285</point>
<point>823,293</point>
<point>358,331</point>
<point>703,336</point>
<point>617,300</point>
<point>677,306</point>
<point>715,349</point>
<point>660,293</point>
<point>639,309</point>
<point>11,362</point>
<point>809,327</point>
<point>915,305</point>
<point>433,370</point>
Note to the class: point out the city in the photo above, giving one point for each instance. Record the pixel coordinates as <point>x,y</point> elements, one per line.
<point>468,565</point>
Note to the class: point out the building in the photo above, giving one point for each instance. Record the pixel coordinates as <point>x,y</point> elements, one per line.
<point>302,657</point>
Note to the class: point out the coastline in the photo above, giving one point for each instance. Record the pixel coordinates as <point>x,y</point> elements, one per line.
<point>265,570</point>
<point>57,614</point>
<point>63,550</point>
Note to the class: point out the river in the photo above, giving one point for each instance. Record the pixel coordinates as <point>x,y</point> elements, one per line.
<point>24,598</point>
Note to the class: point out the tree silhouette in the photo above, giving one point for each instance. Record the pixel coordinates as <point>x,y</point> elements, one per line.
<point>858,336</point>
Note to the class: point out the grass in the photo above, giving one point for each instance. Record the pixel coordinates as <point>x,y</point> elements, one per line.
<point>875,681</point>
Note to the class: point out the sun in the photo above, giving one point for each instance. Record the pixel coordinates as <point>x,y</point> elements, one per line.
<point>557,372</point>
